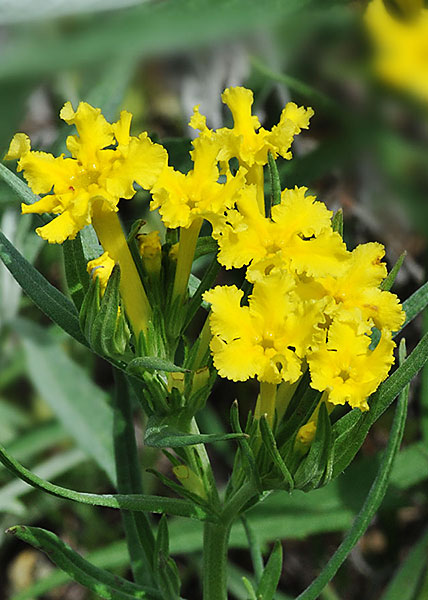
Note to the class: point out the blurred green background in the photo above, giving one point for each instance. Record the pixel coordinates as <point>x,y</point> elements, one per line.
<point>366,152</point>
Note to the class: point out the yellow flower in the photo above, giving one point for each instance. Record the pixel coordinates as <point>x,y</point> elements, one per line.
<point>345,367</point>
<point>183,199</point>
<point>266,339</point>
<point>101,269</point>
<point>106,162</point>
<point>356,290</point>
<point>247,140</point>
<point>401,45</point>
<point>297,238</point>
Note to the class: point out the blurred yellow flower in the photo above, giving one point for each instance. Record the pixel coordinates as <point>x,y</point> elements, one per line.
<point>401,45</point>
<point>266,339</point>
<point>106,162</point>
<point>345,367</point>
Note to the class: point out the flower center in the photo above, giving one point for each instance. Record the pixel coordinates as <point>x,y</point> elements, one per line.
<point>344,375</point>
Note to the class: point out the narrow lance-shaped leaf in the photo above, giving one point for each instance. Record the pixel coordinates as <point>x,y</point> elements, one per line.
<point>255,551</point>
<point>153,363</point>
<point>99,581</point>
<point>372,503</point>
<point>137,527</point>
<point>275,183</point>
<point>337,221</point>
<point>415,304</point>
<point>162,433</point>
<point>407,580</point>
<point>270,445</point>
<point>248,458</point>
<point>137,502</point>
<point>312,468</point>
<point>18,186</point>
<point>388,282</point>
<point>75,270</point>
<point>165,569</point>
<point>50,300</point>
<point>271,574</point>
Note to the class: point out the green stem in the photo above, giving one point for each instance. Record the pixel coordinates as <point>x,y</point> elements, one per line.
<point>139,536</point>
<point>113,240</point>
<point>216,540</point>
<point>204,342</point>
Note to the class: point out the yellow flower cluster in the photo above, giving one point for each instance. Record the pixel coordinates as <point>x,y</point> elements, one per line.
<point>401,44</point>
<point>313,303</point>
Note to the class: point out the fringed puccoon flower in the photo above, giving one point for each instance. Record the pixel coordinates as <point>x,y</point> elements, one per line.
<point>85,189</point>
<point>247,140</point>
<point>184,201</point>
<point>401,44</point>
<point>314,303</point>
<point>298,237</point>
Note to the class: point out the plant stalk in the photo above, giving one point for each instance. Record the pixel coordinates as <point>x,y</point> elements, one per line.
<point>186,252</point>
<point>111,236</point>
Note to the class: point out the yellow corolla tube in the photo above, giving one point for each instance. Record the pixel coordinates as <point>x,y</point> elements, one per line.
<point>85,188</point>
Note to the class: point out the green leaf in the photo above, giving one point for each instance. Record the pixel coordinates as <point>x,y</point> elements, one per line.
<point>248,457</point>
<point>17,185</point>
<point>108,333</point>
<point>52,467</point>
<point>162,432</point>
<point>165,569</point>
<point>388,282</point>
<point>312,468</point>
<point>75,270</point>
<point>136,502</point>
<point>110,557</point>
<point>275,183</point>
<point>153,363</point>
<point>100,582</point>
<point>205,245</point>
<point>415,304</point>
<point>407,580</point>
<point>302,405</point>
<point>337,221</point>
<point>271,574</point>
<point>137,527</point>
<point>70,393</point>
<point>371,505</point>
<point>255,551</point>
<point>50,300</point>
<point>270,445</point>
